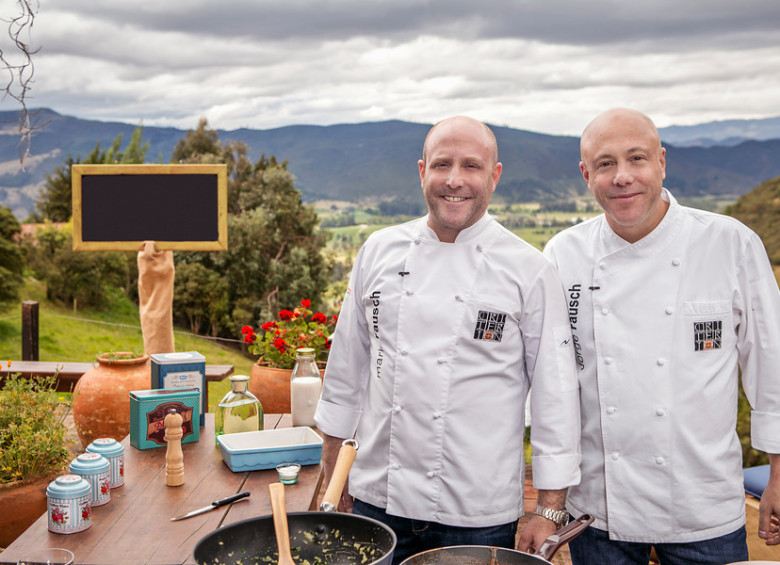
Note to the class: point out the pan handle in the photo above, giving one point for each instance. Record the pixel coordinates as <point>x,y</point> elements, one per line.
<point>346,456</point>
<point>563,536</point>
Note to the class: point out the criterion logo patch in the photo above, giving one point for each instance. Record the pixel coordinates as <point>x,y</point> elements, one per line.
<point>490,326</point>
<point>707,335</point>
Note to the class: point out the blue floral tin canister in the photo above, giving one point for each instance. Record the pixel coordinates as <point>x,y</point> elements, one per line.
<point>96,469</point>
<point>112,450</point>
<point>68,501</point>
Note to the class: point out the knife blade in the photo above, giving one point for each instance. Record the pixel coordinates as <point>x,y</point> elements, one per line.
<point>213,505</point>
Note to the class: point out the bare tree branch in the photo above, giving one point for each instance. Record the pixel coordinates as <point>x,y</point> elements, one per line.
<point>20,69</point>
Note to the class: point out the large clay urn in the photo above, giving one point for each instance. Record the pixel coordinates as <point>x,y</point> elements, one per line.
<point>101,400</point>
<point>271,386</point>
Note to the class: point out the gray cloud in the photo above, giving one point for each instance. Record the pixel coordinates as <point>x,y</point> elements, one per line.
<point>541,65</point>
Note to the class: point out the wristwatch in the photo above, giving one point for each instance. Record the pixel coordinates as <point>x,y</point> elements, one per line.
<point>560,517</point>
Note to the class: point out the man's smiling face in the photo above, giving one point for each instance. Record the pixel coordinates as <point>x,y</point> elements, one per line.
<point>458,174</point>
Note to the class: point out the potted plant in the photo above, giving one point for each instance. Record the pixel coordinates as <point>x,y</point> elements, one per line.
<point>276,347</point>
<point>34,449</point>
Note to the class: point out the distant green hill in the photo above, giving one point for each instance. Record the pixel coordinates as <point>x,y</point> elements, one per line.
<point>760,210</point>
<point>374,161</point>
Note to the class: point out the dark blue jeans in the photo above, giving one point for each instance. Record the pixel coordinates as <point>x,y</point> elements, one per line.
<point>593,547</point>
<point>415,536</point>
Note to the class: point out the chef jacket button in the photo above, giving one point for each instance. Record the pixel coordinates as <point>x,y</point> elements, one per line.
<point>602,266</point>
<point>408,292</point>
<point>615,456</point>
<point>676,262</point>
<point>441,361</point>
<point>611,410</point>
<point>660,412</point>
<point>659,460</point>
<point>436,415</point>
<point>660,361</point>
<point>396,466</point>
<point>479,248</point>
<point>430,474</point>
<point>459,298</point>
<point>669,310</point>
<point>608,360</point>
<point>396,409</point>
<point>605,311</point>
<point>404,353</point>
<point>417,241</point>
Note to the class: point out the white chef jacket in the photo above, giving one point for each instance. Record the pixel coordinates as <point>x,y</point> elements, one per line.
<point>433,355</point>
<point>660,327</point>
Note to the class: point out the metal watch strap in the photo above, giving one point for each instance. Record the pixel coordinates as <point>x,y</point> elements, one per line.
<point>560,517</point>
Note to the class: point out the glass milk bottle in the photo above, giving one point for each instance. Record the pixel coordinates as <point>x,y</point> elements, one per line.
<point>239,410</point>
<point>305,387</point>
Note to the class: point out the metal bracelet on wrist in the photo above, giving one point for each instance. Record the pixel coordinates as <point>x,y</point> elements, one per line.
<point>559,517</point>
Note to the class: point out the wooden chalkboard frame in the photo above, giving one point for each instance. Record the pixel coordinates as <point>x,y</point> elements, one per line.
<point>93,175</point>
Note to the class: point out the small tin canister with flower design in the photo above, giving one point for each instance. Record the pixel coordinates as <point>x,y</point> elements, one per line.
<point>112,450</point>
<point>68,501</point>
<point>96,469</point>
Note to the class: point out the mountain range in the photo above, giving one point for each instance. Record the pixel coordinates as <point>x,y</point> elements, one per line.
<point>372,161</point>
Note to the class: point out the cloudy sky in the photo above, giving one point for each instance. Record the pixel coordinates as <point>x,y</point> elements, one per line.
<point>541,65</point>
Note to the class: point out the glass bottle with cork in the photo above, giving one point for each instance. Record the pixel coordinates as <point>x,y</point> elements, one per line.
<point>239,410</point>
<point>305,387</point>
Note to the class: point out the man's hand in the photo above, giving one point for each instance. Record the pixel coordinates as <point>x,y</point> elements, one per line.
<point>538,528</point>
<point>330,451</point>
<point>769,508</point>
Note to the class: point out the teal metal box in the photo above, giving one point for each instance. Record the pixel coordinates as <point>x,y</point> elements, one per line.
<point>148,409</point>
<point>181,370</point>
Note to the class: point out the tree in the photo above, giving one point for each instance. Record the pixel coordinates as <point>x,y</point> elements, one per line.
<point>55,202</point>
<point>274,257</point>
<point>11,257</point>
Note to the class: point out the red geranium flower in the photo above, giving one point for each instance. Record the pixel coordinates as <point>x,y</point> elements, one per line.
<point>319,317</point>
<point>277,340</point>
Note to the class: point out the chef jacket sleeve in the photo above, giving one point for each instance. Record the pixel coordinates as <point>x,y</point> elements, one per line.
<point>347,371</point>
<point>758,343</point>
<point>550,365</point>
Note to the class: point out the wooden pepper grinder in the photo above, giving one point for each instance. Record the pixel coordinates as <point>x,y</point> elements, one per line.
<point>174,457</point>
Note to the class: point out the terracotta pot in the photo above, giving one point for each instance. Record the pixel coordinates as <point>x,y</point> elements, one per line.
<point>23,502</point>
<point>272,387</point>
<point>101,400</point>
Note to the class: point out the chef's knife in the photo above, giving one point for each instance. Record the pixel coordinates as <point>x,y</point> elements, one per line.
<point>213,505</point>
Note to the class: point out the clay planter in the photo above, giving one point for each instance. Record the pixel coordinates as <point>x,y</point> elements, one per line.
<point>101,401</point>
<point>23,502</point>
<point>272,387</point>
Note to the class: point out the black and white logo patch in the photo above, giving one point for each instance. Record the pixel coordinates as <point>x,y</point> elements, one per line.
<point>707,335</point>
<point>490,326</point>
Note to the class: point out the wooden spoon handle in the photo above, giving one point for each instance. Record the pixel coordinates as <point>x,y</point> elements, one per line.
<point>338,479</point>
<point>279,510</point>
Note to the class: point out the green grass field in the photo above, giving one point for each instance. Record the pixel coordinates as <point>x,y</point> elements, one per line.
<point>65,335</point>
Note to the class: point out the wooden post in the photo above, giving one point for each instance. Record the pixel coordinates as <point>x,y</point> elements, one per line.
<point>29,330</point>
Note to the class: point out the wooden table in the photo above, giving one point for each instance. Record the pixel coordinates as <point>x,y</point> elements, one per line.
<point>135,527</point>
<point>68,374</point>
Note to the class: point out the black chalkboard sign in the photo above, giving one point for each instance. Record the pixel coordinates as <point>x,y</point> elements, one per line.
<point>118,207</point>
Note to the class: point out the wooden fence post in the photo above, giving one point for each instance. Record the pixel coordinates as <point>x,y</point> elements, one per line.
<point>29,330</point>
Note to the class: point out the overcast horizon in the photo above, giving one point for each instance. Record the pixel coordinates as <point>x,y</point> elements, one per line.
<point>545,66</point>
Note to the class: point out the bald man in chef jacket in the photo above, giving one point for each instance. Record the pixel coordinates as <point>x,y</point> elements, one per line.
<point>447,321</point>
<point>667,303</point>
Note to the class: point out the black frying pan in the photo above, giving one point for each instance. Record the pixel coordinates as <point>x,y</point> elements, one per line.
<point>317,537</point>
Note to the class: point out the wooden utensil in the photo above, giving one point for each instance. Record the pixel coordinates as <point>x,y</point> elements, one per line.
<point>280,523</point>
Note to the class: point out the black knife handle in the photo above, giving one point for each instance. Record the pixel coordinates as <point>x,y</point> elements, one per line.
<point>229,499</point>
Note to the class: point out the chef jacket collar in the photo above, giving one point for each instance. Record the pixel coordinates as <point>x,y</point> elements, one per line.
<point>663,234</point>
<point>465,236</point>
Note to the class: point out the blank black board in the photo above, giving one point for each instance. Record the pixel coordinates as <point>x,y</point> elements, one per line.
<point>176,206</point>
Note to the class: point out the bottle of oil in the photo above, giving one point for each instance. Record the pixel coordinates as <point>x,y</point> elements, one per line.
<point>239,410</point>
